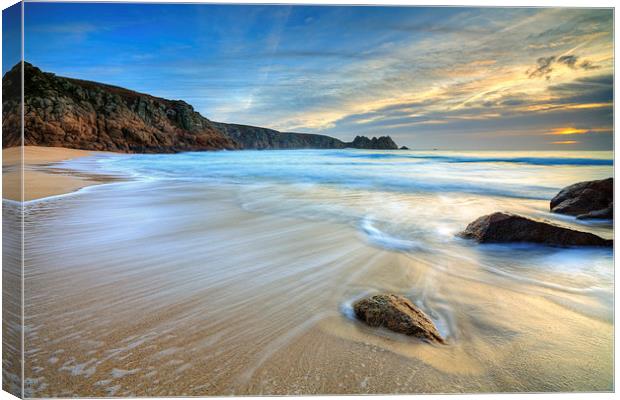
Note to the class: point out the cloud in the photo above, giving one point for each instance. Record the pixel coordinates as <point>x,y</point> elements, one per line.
<point>430,74</point>
<point>579,131</point>
<point>434,27</point>
<point>77,28</point>
<point>514,102</point>
<point>566,142</point>
<point>568,131</point>
<point>544,65</point>
<point>587,90</point>
<point>569,60</point>
<point>603,80</point>
<point>587,65</point>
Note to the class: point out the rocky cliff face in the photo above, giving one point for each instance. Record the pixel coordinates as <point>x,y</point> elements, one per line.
<point>86,115</point>
<point>72,113</point>
<point>11,105</point>
<point>252,137</point>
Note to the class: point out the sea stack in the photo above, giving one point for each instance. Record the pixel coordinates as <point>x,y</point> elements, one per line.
<point>381,143</point>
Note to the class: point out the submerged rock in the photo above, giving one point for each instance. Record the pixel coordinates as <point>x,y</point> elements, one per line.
<point>509,228</point>
<point>398,314</point>
<point>590,199</point>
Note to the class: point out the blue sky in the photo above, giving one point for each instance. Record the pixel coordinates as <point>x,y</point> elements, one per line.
<point>449,78</point>
<point>11,36</point>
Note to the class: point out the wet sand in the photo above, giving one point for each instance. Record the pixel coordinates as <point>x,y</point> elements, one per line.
<point>178,288</point>
<point>41,177</point>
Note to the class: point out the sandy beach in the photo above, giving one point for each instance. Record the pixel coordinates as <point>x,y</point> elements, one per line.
<point>198,297</point>
<point>184,286</point>
<point>41,178</point>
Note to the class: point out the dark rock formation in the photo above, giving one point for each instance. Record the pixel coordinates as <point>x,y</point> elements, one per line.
<point>79,114</point>
<point>397,314</point>
<point>605,213</point>
<point>11,107</point>
<point>382,143</point>
<point>92,116</point>
<point>404,148</point>
<point>253,137</point>
<point>508,228</point>
<point>591,199</point>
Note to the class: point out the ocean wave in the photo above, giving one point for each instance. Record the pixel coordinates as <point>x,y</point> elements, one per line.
<point>551,161</point>
<point>398,172</point>
<point>384,240</point>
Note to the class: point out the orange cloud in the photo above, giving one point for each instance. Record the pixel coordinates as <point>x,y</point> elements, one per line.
<point>590,105</point>
<point>568,131</point>
<point>566,142</point>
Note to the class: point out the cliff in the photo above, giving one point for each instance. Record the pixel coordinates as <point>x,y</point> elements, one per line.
<point>252,137</point>
<point>92,116</point>
<point>73,113</point>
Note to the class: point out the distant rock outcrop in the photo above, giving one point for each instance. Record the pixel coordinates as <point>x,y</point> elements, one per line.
<point>381,143</point>
<point>398,314</point>
<point>509,228</point>
<point>590,199</point>
<point>66,112</point>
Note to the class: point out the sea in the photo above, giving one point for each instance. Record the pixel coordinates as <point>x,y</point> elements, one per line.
<point>233,272</point>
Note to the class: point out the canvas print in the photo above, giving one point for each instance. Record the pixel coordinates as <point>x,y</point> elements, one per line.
<point>221,199</point>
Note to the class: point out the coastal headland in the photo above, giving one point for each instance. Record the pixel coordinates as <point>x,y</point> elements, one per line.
<point>78,114</point>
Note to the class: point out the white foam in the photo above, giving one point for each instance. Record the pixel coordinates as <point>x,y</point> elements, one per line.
<point>382,239</point>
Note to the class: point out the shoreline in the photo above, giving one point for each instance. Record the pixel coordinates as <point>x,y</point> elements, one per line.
<point>243,321</point>
<point>42,178</point>
<point>160,285</point>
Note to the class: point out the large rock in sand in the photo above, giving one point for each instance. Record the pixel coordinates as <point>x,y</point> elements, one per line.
<point>398,314</point>
<point>590,199</point>
<point>509,228</point>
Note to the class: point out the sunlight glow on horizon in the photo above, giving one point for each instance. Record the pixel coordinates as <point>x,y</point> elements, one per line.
<point>566,142</point>
<point>568,131</point>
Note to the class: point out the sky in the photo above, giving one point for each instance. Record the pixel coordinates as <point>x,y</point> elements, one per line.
<point>11,36</point>
<point>446,78</point>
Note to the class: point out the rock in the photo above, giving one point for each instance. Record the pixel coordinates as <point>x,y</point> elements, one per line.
<point>404,148</point>
<point>398,314</point>
<point>606,213</point>
<point>73,113</point>
<point>590,199</point>
<point>381,143</point>
<point>509,228</point>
